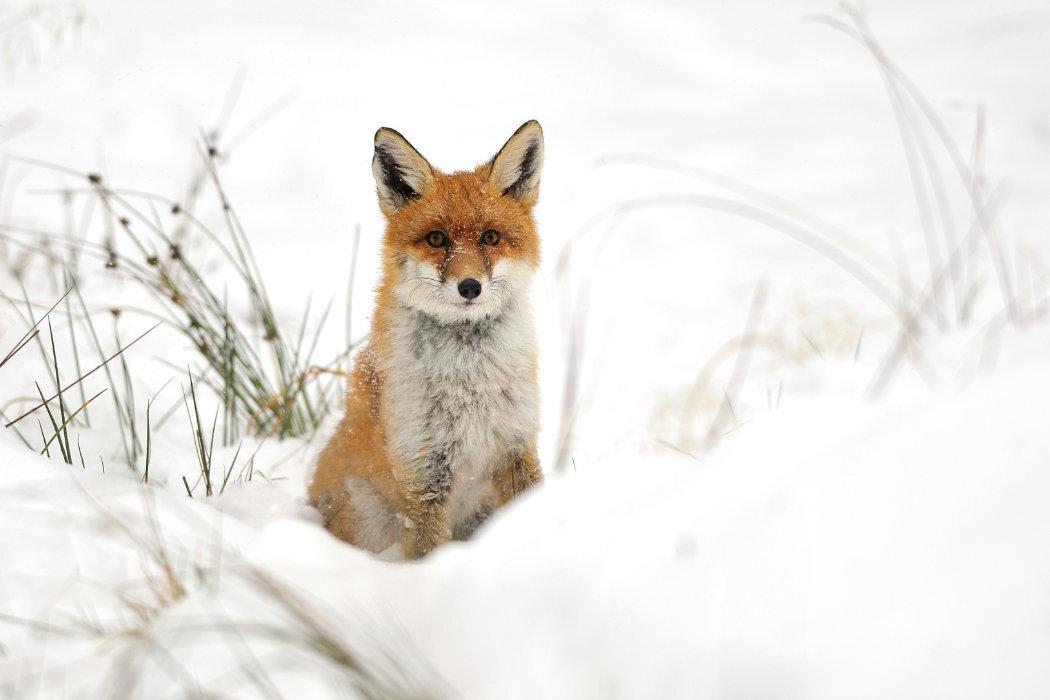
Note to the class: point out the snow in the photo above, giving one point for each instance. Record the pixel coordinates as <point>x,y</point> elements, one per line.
<point>836,535</point>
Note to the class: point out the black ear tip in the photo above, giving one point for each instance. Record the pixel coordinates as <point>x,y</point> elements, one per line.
<point>532,123</point>
<point>385,133</point>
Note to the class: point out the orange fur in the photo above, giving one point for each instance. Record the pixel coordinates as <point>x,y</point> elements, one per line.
<point>364,485</point>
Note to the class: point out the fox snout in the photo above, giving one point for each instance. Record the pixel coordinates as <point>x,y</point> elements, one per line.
<point>469,289</point>
<point>454,295</point>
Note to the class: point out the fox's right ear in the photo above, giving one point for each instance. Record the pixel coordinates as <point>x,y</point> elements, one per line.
<point>401,174</point>
<point>515,170</point>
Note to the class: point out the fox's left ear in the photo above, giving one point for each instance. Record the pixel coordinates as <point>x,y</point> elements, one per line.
<point>515,170</point>
<point>401,173</point>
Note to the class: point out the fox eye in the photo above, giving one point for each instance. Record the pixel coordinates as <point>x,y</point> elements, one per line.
<point>436,239</point>
<point>491,237</point>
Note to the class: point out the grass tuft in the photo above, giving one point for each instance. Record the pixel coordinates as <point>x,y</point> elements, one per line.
<point>263,374</point>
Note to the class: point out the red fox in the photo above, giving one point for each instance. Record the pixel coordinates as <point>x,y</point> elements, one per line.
<point>442,411</point>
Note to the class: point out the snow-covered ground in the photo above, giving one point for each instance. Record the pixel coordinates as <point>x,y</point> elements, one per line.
<point>758,486</point>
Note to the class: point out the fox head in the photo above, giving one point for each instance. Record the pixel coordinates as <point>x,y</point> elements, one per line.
<point>459,246</point>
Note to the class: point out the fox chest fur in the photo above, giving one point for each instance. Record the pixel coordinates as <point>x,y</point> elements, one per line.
<point>461,396</point>
<point>443,405</point>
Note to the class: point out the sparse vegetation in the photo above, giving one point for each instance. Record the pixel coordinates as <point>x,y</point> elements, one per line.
<point>951,298</point>
<point>261,374</point>
<point>243,375</point>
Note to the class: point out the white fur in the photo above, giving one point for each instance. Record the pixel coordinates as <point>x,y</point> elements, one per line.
<point>460,379</point>
<point>422,288</point>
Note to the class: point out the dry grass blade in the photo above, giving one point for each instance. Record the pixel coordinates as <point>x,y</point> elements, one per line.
<point>572,384</point>
<point>719,423</point>
<point>61,429</point>
<point>833,234</point>
<point>204,449</point>
<point>32,333</point>
<point>45,402</point>
<point>281,401</point>
<point>906,94</point>
<point>855,268</point>
<point>388,672</point>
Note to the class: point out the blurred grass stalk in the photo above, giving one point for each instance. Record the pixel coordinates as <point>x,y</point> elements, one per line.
<point>945,301</point>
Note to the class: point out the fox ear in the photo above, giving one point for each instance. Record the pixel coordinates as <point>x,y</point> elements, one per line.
<point>515,170</point>
<point>401,174</point>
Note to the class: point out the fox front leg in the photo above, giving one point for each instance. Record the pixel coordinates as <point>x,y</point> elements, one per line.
<point>427,523</point>
<point>519,471</point>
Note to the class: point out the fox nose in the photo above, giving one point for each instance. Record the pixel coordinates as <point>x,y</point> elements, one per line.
<point>470,289</point>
